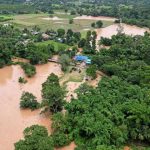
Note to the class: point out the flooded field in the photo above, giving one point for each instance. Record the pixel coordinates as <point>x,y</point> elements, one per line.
<point>14,120</point>
<point>127,29</point>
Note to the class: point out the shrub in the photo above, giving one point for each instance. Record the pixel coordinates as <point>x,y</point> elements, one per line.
<point>91,71</point>
<point>29,69</point>
<point>28,100</point>
<point>22,80</point>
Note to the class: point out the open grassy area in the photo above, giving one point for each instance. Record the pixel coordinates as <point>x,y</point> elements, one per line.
<point>57,45</point>
<point>30,20</point>
<point>75,76</point>
<point>4,18</point>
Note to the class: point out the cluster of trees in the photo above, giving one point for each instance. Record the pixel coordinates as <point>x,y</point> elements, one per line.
<point>91,71</point>
<point>28,100</point>
<point>37,54</point>
<point>52,94</point>
<point>13,43</point>
<point>105,41</point>
<point>69,37</point>
<point>127,58</point>
<point>22,80</point>
<point>7,9</point>
<point>106,117</point>
<point>29,69</point>
<point>64,61</point>
<point>135,12</point>
<point>8,38</point>
<point>35,137</point>
<point>52,97</point>
<point>89,44</point>
<point>98,24</point>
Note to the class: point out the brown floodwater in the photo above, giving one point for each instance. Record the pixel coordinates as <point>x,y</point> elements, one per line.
<point>111,30</point>
<point>13,120</point>
<point>127,29</point>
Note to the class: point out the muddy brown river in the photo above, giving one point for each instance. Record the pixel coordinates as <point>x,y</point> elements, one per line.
<point>13,120</point>
<point>127,29</point>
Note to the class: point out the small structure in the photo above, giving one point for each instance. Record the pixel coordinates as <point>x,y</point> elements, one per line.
<point>82,58</point>
<point>7,24</point>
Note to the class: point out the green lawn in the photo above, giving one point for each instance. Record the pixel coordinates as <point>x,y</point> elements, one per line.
<point>4,18</point>
<point>57,45</point>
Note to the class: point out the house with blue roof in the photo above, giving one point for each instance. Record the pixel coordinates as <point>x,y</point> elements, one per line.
<point>82,58</point>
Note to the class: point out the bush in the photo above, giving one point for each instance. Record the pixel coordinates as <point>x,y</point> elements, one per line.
<point>99,24</point>
<point>64,61</point>
<point>71,21</point>
<point>22,80</point>
<point>61,139</point>
<point>35,138</point>
<point>28,100</point>
<point>52,94</point>
<point>29,69</point>
<point>73,12</point>
<point>93,25</point>
<point>106,41</point>
<point>91,71</point>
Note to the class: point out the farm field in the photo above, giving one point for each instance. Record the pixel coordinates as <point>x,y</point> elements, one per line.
<point>55,21</point>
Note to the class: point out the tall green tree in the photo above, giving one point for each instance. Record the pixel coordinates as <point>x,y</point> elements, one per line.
<point>52,94</point>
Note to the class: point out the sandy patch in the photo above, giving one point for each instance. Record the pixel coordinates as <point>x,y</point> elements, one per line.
<point>94,83</point>
<point>59,22</point>
<point>87,29</point>
<point>71,87</point>
<point>52,18</point>
<point>96,18</point>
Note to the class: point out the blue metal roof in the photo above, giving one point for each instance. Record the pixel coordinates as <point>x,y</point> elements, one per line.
<point>86,59</point>
<point>81,58</point>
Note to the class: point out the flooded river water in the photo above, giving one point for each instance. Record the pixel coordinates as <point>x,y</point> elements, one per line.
<point>127,29</point>
<point>13,120</point>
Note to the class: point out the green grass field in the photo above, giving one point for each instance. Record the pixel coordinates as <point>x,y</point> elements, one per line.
<point>30,20</point>
<point>57,45</point>
<point>4,18</point>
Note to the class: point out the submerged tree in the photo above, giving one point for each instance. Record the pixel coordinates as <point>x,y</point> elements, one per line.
<point>53,94</point>
<point>35,138</point>
<point>64,61</point>
<point>28,100</point>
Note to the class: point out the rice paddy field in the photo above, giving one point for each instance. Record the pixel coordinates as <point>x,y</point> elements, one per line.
<point>55,21</point>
